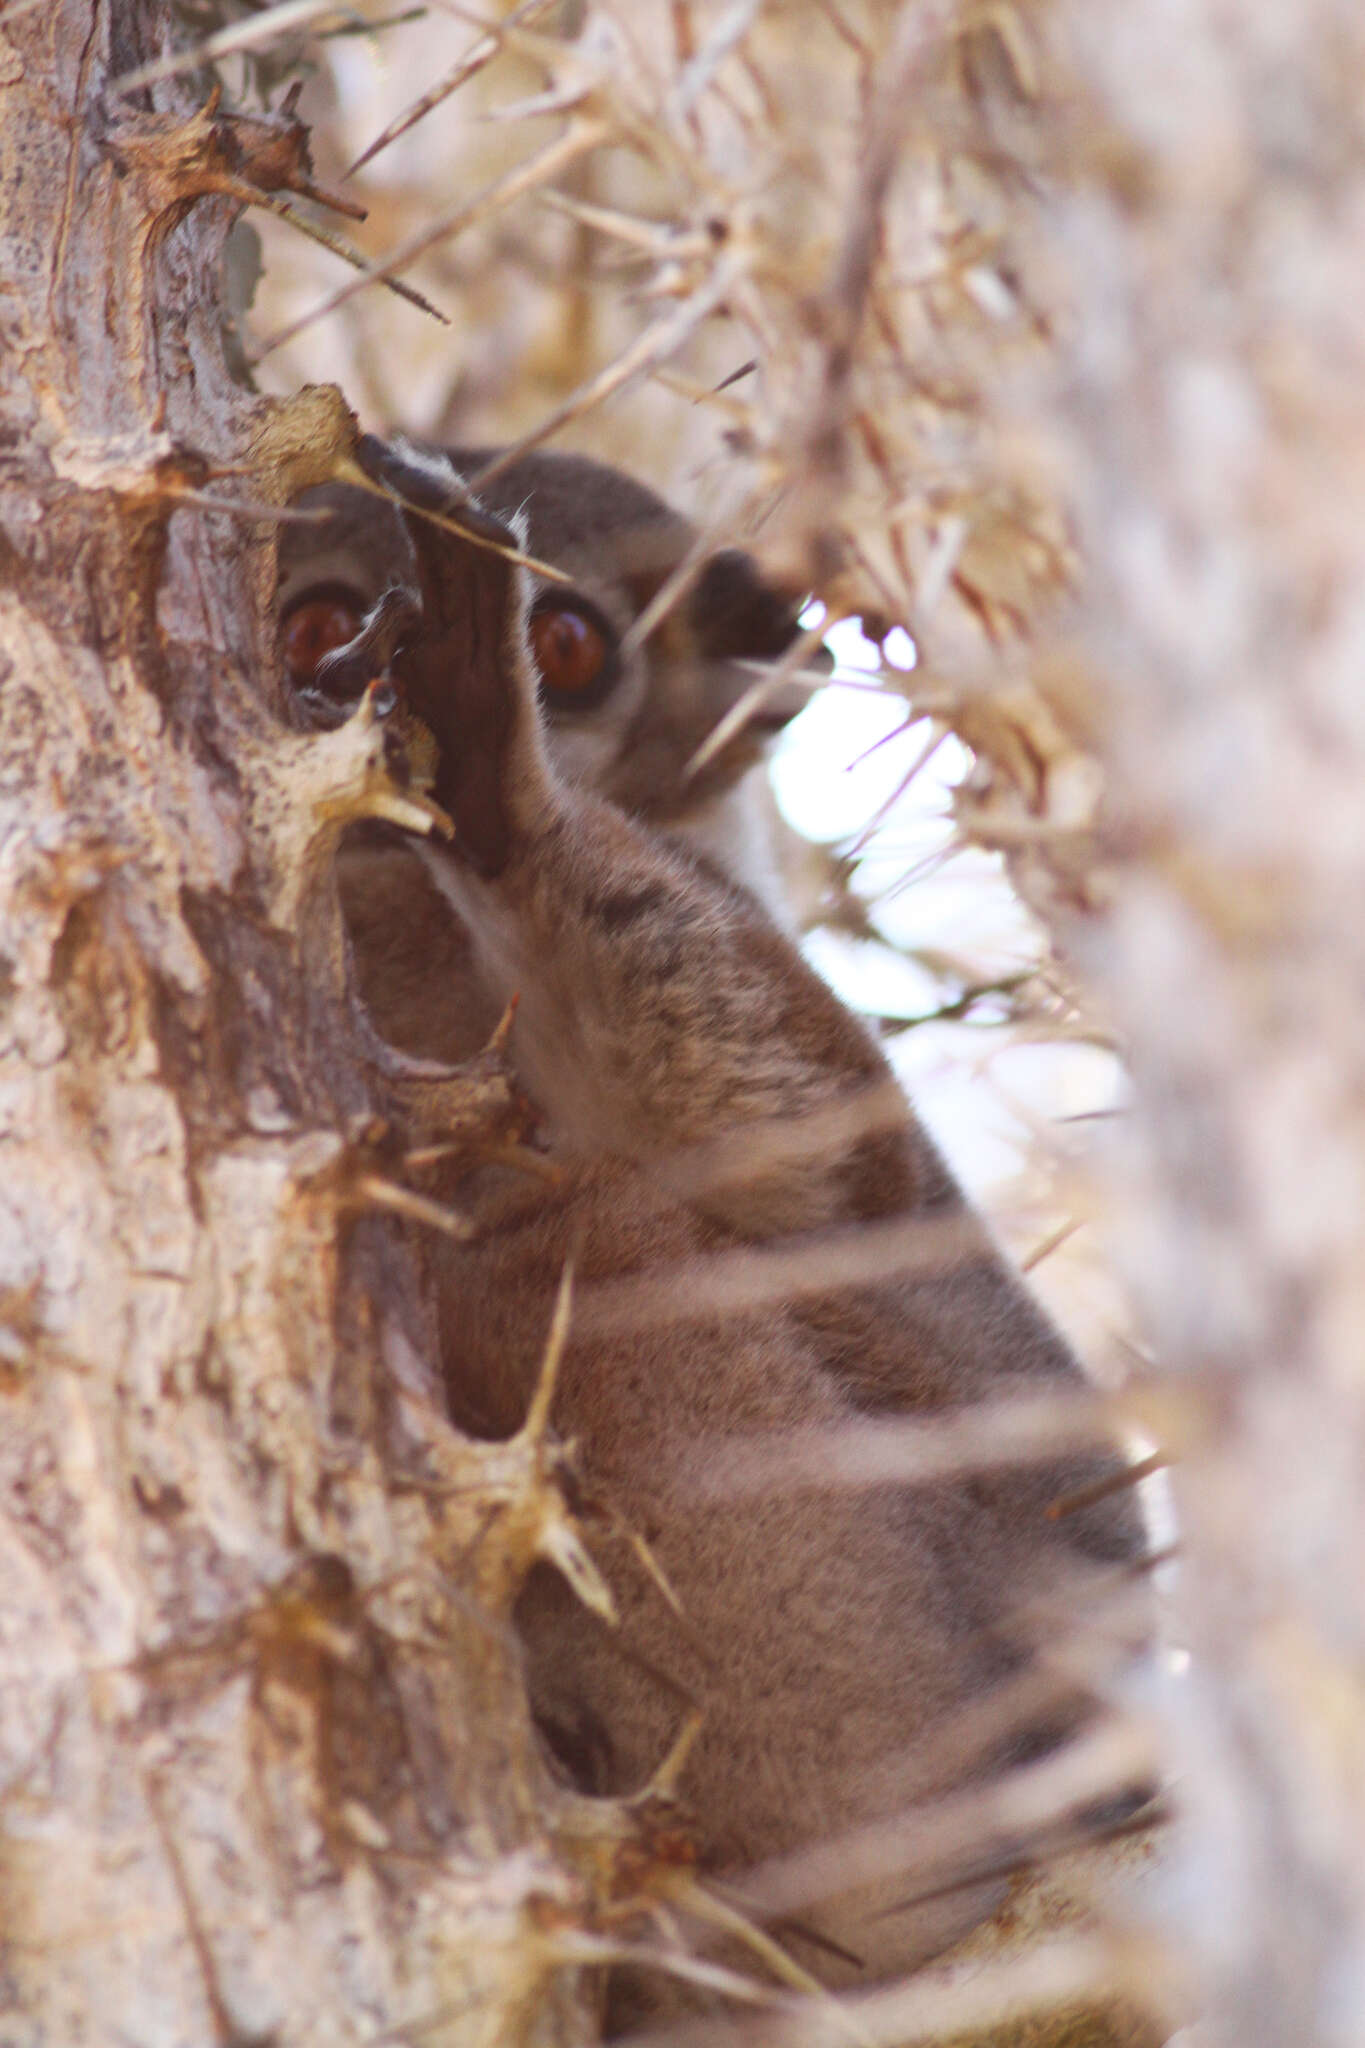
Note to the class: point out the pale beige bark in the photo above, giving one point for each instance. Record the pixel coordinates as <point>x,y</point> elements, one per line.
<point>1206,415</point>
<point>266,1768</point>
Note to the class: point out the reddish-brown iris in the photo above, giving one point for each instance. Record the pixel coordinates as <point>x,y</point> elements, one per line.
<point>569,651</point>
<point>313,629</point>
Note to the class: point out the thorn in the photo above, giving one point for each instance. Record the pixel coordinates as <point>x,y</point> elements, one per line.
<point>882,813</point>
<point>684,1890</point>
<point>653,1570</point>
<point>1051,1849</point>
<point>1052,1242</point>
<point>540,48</point>
<point>519,1157</point>
<point>224,2024</point>
<point>319,194</point>
<point>525,1159</point>
<point>560,1544</point>
<point>580,137</point>
<point>538,1414</point>
<point>664,1783</point>
<point>657,1575</point>
<point>563,99</point>
<point>744,370</point>
<point>572,1946</point>
<point>739,714</point>
<point>661,238</point>
<point>348,471</point>
<point>1103,1489</point>
<point>557,1540</point>
<point>250,508</point>
<point>410,810</point>
<point>377,1193</point>
<point>654,346</point>
<point>502,1031</point>
<point>676,585</point>
<point>818,679</point>
<point>317,233</point>
<point>473,61</point>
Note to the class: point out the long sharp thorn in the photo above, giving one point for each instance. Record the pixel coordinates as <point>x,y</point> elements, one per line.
<point>475,58</point>
<point>654,345</point>
<point>739,714</point>
<point>351,473</point>
<point>316,233</point>
<point>577,139</point>
<point>675,587</point>
<point>538,1414</point>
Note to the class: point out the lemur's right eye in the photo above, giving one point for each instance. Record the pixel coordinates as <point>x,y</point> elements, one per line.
<point>314,625</point>
<point>575,651</point>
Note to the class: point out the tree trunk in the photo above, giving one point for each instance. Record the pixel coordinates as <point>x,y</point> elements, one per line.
<point>267,1769</point>
<point>1204,408</point>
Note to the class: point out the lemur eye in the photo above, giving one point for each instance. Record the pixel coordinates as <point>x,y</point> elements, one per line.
<point>575,652</point>
<point>569,651</point>
<point>314,625</point>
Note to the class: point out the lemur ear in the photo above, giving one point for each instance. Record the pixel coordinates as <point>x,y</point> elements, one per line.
<point>734,612</point>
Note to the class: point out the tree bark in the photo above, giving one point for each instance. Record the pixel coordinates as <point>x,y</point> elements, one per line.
<point>1203,407</point>
<point>266,1767</point>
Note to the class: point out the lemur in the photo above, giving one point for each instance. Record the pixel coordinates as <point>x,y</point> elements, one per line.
<point>625,723</point>
<point>712,1109</point>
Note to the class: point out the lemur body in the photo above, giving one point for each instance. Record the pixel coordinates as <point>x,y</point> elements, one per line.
<point>707,1096</point>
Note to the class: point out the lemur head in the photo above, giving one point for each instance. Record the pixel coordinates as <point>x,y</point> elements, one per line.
<point>626,721</point>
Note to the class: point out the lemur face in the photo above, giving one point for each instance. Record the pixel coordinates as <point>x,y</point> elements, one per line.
<point>624,722</point>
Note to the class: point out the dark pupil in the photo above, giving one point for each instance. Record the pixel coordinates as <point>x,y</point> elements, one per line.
<point>314,629</point>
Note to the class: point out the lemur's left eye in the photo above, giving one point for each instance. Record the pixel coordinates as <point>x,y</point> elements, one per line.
<point>314,625</point>
<point>575,652</point>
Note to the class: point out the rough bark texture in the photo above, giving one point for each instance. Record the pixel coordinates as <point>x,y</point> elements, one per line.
<point>1207,414</point>
<point>265,1770</point>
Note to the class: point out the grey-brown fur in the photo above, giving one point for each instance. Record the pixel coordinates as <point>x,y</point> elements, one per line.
<point>617,542</point>
<point>703,1090</point>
